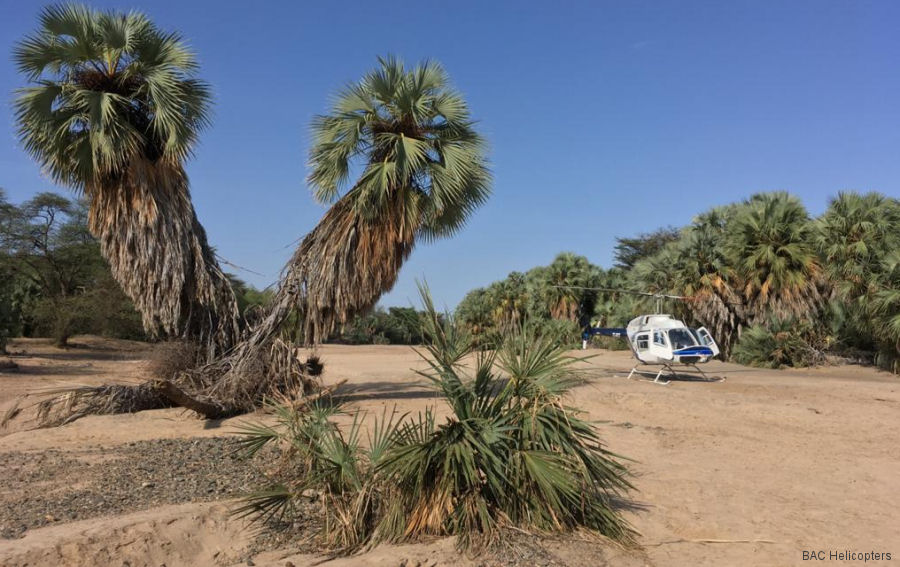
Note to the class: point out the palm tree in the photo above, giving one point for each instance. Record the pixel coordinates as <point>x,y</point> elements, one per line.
<point>423,171</point>
<point>885,309</point>
<point>853,236</point>
<point>565,287</point>
<point>509,301</point>
<point>739,265</point>
<point>113,110</point>
<point>857,238</point>
<point>771,257</point>
<point>704,277</point>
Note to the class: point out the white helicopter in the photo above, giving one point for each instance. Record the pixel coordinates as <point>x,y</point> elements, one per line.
<point>661,340</point>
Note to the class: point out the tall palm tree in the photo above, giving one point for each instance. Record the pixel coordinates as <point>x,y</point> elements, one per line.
<point>703,273</point>
<point>113,110</point>
<point>565,287</point>
<point>858,237</point>
<point>885,310</point>
<point>854,235</point>
<point>422,172</point>
<point>509,300</point>
<point>772,260</point>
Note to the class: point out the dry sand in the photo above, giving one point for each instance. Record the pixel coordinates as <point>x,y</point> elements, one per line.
<point>750,471</point>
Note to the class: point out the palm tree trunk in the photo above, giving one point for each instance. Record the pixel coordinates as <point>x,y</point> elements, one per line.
<point>158,252</point>
<point>340,270</point>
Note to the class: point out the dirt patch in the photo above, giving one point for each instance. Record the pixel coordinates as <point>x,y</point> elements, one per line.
<point>52,487</point>
<point>749,471</point>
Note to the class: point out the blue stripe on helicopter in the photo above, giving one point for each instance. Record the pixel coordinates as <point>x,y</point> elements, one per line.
<point>605,331</point>
<point>694,351</point>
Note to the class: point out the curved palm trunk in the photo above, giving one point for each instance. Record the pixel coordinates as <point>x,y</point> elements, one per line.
<point>158,252</point>
<point>340,269</point>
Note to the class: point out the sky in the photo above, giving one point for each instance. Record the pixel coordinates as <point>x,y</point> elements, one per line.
<point>604,118</point>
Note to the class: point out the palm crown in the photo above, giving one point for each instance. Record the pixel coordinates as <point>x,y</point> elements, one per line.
<point>107,87</point>
<point>412,135</point>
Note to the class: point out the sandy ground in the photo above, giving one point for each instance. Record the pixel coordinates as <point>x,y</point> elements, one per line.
<point>750,471</point>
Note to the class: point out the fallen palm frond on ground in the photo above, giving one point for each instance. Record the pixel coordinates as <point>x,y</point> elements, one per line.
<point>511,454</point>
<point>65,405</point>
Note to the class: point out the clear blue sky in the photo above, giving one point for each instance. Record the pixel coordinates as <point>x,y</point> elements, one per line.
<point>605,118</point>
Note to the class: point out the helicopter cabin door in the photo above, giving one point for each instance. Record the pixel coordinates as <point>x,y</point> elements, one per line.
<point>707,340</point>
<point>659,346</point>
<point>641,347</point>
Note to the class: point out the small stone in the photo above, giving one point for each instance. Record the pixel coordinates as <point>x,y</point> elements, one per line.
<point>146,485</point>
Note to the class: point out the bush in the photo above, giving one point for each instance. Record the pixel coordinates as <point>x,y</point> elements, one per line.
<point>396,326</point>
<point>170,358</point>
<point>562,332</point>
<point>511,454</point>
<point>610,343</point>
<point>780,343</point>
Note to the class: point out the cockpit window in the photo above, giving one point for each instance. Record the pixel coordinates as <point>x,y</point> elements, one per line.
<point>681,338</point>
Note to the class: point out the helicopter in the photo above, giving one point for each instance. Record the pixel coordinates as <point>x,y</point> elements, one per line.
<point>660,340</point>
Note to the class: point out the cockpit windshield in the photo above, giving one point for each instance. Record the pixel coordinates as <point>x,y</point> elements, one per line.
<point>681,338</point>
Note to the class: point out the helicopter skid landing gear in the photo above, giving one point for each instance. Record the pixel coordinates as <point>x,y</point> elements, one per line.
<point>656,380</point>
<point>671,371</point>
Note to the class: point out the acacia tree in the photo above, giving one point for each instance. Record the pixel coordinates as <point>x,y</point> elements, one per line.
<point>113,110</point>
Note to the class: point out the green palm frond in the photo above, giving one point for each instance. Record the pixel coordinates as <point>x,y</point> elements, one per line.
<point>510,452</point>
<point>274,503</point>
<point>106,88</point>
<point>411,134</point>
<point>252,437</point>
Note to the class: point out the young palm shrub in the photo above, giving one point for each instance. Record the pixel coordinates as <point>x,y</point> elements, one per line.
<point>317,457</point>
<point>510,453</point>
<point>780,342</point>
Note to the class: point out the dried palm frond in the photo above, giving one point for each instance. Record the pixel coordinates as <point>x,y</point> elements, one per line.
<point>157,251</point>
<point>65,405</point>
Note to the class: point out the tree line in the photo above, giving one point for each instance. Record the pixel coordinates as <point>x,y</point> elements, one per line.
<point>773,284</point>
<point>54,282</point>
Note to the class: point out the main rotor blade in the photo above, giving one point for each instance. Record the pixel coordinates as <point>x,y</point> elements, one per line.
<point>614,290</point>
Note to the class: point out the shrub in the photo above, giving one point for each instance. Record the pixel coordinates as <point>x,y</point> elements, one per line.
<point>562,332</point>
<point>170,358</point>
<point>780,343</point>
<point>511,453</point>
